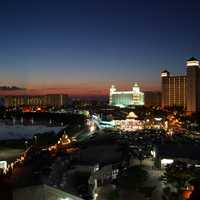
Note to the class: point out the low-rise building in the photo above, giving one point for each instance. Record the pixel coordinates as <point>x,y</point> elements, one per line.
<point>56,100</point>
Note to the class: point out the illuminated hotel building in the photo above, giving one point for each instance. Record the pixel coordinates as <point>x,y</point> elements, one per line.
<point>193,88</point>
<point>184,90</point>
<point>173,90</point>
<point>125,98</point>
<point>57,100</point>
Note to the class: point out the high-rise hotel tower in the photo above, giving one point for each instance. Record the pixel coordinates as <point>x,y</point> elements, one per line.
<point>174,90</point>
<point>182,90</point>
<point>193,85</point>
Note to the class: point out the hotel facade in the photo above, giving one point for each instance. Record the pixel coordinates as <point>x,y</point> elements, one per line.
<point>56,100</point>
<point>133,97</point>
<point>184,90</point>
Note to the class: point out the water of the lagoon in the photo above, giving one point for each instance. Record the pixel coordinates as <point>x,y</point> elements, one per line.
<point>18,131</point>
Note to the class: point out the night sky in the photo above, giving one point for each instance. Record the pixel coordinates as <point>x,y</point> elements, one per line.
<point>82,47</point>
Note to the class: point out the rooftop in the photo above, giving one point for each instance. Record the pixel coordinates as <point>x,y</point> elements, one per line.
<point>192,59</point>
<point>187,151</point>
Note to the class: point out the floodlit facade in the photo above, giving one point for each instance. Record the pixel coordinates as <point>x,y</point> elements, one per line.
<point>126,98</point>
<point>173,90</point>
<point>129,124</point>
<point>57,100</point>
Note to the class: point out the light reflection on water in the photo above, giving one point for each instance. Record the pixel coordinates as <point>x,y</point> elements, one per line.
<point>24,131</point>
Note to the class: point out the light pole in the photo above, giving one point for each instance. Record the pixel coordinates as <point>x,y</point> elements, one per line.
<point>22,120</point>
<point>35,138</point>
<point>26,144</point>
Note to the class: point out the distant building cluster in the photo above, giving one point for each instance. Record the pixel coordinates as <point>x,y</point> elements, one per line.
<point>56,100</point>
<point>183,91</point>
<point>177,91</point>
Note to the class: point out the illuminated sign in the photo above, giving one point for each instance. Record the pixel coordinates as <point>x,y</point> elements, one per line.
<point>164,74</point>
<point>193,63</point>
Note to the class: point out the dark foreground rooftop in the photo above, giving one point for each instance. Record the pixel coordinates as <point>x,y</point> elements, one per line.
<point>186,151</point>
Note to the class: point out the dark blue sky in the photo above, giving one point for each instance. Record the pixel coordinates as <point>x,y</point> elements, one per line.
<point>83,46</point>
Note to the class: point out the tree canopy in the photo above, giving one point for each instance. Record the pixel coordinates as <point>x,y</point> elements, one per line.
<point>133,178</point>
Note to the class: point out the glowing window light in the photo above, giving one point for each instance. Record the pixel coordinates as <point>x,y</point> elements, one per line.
<point>66,198</point>
<point>164,74</point>
<point>158,118</point>
<point>153,153</point>
<point>3,165</point>
<point>193,63</point>
<point>92,128</point>
<point>165,161</point>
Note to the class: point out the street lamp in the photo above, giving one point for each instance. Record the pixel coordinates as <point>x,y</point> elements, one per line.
<point>35,137</point>
<point>22,120</point>
<point>26,144</point>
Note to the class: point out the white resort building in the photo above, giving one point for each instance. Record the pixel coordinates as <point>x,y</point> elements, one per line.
<point>133,97</point>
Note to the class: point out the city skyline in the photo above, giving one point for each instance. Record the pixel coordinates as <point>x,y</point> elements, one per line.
<point>83,48</point>
<point>99,99</point>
